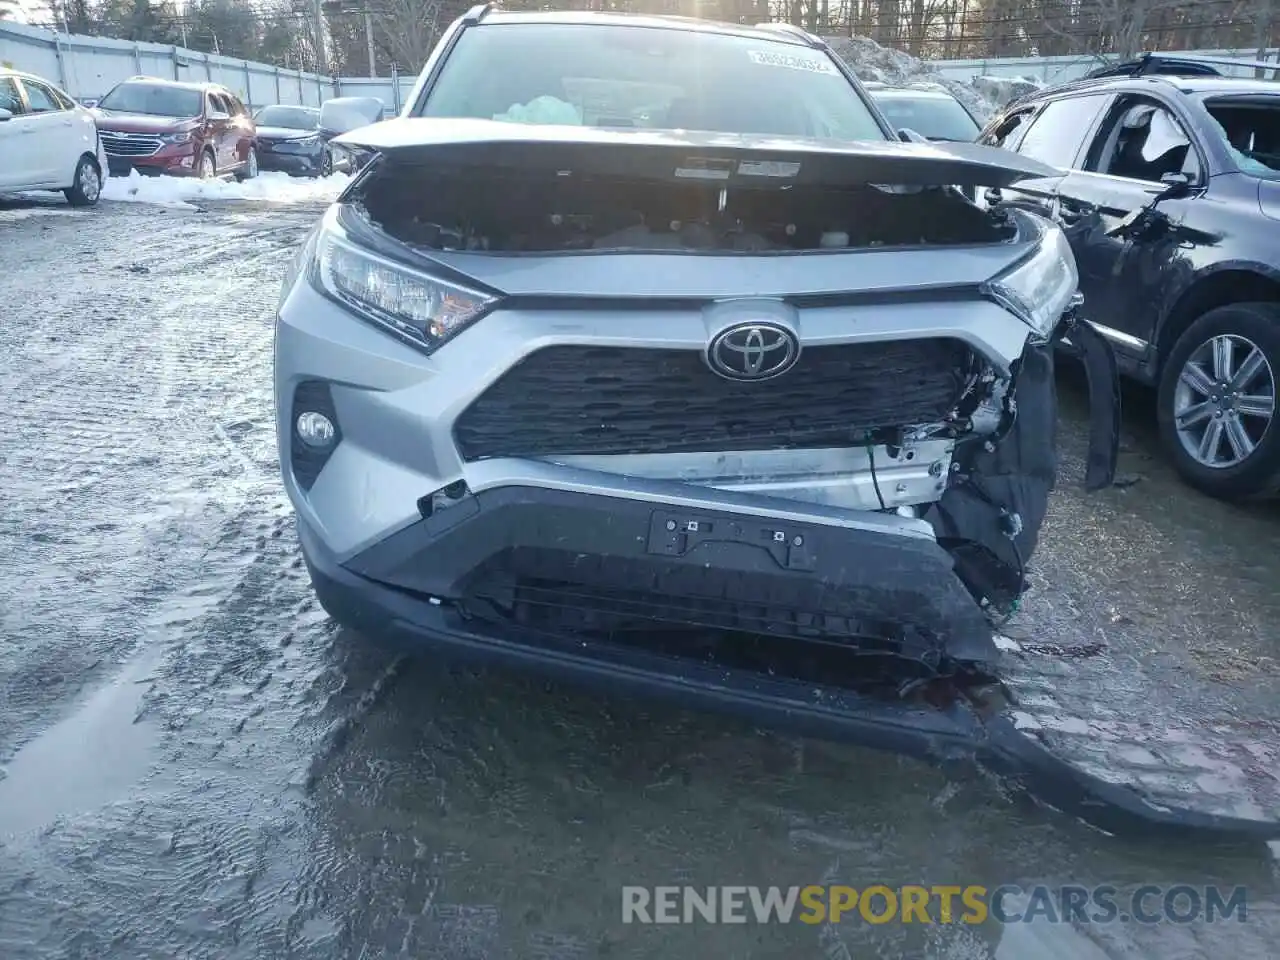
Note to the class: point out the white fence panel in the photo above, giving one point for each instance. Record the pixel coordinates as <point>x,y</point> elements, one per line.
<point>90,66</point>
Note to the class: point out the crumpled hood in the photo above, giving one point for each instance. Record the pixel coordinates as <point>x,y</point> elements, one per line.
<point>728,157</point>
<point>140,122</point>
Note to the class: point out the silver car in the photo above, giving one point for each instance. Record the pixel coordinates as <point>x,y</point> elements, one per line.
<point>654,358</point>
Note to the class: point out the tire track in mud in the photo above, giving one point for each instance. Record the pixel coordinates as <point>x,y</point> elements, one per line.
<point>163,418</point>
<point>124,396</point>
<point>244,697</point>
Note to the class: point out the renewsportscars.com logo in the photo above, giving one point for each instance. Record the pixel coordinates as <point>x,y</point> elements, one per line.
<point>971,904</point>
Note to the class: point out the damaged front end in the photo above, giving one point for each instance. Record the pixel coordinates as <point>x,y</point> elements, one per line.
<point>758,424</point>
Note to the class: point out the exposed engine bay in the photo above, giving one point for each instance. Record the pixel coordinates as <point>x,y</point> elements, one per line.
<point>507,210</point>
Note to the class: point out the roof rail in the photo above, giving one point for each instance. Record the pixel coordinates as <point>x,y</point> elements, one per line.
<point>478,12</point>
<point>782,26</point>
<point>1192,65</point>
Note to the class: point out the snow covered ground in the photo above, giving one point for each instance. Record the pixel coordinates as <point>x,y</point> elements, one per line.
<point>185,193</point>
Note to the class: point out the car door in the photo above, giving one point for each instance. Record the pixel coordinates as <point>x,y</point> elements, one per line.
<point>15,161</point>
<point>243,126</point>
<point>222,128</point>
<point>1122,259</point>
<point>57,140</point>
<point>1055,134</point>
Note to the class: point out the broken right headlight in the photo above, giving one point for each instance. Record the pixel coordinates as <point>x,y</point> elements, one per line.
<point>1039,288</point>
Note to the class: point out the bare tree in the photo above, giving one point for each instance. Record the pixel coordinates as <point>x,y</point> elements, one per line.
<point>407,29</point>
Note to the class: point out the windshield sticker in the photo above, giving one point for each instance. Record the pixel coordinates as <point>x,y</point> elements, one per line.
<point>770,58</point>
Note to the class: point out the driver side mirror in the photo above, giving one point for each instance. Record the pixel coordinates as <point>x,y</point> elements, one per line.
<point>6,114</point>
<point>907,135</point>
<point>218,115</point>
<point>1177,184</point>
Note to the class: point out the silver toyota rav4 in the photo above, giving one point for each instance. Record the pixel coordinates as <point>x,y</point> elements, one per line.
<point>643,350</point>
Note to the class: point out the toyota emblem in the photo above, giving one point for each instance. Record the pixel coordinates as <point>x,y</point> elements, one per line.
<point>753,351</point>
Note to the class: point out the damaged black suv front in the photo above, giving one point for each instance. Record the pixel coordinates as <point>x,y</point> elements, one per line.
<point>695,382</point>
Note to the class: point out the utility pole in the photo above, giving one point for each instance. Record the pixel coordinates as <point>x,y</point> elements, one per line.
<point>368,38</point>
<point>318,13</point>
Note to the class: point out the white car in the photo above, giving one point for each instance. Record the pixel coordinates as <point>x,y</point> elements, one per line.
<point>48,141</point>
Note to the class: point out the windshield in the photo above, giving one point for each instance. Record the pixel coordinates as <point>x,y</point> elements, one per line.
<point>294,118</point>
<point>938,118</point>
<point>158,99</point>
<point>1250,127</point>
<point>648,78</point>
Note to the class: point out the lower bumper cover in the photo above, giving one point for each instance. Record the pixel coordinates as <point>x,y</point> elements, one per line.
<point>297,164</point>
<point>149,166</point>
<point>903,584</point>
<point>381,610</point>
<point>957,733</point>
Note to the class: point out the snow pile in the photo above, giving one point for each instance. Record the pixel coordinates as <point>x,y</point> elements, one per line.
<point>184,192</point>
<point>873,62</point>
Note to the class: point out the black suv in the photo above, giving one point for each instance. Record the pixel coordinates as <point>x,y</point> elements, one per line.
<point>1170,202</point>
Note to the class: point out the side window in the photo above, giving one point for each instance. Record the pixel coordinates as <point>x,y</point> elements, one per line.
<point>237,108</point>
<point>1056,135</point>
<point>64,102</point>
<point>9,99</point>
<point>1007,132</point>
<point>1142,139</point>
<point>40,97</point>
<point>217,104</point>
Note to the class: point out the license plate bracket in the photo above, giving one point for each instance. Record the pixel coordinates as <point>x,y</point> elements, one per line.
<point>674,534</point>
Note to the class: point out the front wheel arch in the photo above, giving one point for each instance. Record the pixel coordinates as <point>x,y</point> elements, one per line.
<point>1243,284</point>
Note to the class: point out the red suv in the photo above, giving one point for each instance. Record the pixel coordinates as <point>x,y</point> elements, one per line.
<point>187,129</point>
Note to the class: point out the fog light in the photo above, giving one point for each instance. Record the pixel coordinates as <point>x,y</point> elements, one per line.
<point>315,429</point>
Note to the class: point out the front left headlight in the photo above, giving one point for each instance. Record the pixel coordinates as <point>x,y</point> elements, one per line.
<point>424,310</point>
<point>181,137</point>
<point>1038,289</point>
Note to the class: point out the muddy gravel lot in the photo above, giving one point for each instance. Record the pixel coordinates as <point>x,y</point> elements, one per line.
<point>195,763</point>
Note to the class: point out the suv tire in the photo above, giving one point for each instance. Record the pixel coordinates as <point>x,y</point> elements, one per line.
<point>250,168</point>
<point>1241,460</point>
<point>86,187</point>
<point>208,169</point>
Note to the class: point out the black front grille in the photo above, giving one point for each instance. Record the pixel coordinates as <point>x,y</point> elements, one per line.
<point>614,400</point>
<point>129,144</point>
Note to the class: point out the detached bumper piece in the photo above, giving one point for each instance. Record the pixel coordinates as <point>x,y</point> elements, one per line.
<point>514,577</point>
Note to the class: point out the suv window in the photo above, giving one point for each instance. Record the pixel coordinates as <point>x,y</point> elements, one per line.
<point>938,118</point>
<point>41,98</point>
<point>1058,131</point>
<point>1250,126</point>
<point>1142,140</point>
<point>647,77</point>
<point>237,108</point>
<point>9,99</point>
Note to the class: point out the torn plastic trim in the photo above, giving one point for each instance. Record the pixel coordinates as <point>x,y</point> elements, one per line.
<point>1102,373</point>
